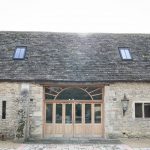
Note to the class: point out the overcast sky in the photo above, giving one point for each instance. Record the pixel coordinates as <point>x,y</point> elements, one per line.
<point>115,16</point>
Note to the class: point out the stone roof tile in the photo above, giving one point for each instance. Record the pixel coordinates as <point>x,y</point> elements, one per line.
<point>74,57</point>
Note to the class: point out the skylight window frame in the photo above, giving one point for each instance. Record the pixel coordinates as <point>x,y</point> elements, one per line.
<point>125,48</point>
<point>22,58</point>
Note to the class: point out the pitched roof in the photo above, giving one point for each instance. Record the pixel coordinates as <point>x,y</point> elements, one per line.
<point>74,57</point>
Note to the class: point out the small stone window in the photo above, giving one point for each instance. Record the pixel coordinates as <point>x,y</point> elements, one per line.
<point>142,110</point>
<point>3,109</point>
<point>20,52</point>
<point>125,53</point>
<point>147,110</point>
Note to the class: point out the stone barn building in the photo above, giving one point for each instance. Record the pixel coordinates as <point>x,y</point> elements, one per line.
<point>74,85</point>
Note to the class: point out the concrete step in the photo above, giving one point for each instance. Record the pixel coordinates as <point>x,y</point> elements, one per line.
<point>75,141</point>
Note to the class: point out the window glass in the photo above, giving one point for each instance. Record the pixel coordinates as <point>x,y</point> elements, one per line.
<point>51,92</point>
<point>3,109</point>
<point>97,113</point>
<point>20,53</point>
<point>138,110</point>
<point>78,113</point>
<point>49,113</point>
<point>49,97</point>
<point>128,56</point>
<point>84,93</point>
<point>147,110</point>
<point>58,113</point>
<point>97,97</point>
<point>125,53</point>
<point>68,113</point>
<point>17,53</point>
<point>90,89</point>
<point>96,93</point>
<point>73,93</point>
<point>87,113</point>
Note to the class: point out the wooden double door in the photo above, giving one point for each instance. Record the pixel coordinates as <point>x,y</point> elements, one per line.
<point>73,119</point>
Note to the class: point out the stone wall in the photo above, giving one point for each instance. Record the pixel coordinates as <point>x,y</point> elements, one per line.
<point>115,123</point>
<point>11,93</point>
<point>36,108</point>
<point>125,126</point>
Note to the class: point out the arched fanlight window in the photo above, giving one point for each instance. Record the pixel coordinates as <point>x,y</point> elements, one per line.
<point>73,93</point>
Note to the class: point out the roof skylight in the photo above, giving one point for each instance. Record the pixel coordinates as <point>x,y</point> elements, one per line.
<point>125,53</point>
<point>19,53</point>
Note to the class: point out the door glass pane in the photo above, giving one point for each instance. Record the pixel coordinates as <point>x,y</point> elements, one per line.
<point>87,113</point>
<point>147,110</point>
<point>78,113</point>
<point>49,113</point>
<point>138,110</point>
<point>68,114</point>
<point>97,113</point>
<point>58,113</point>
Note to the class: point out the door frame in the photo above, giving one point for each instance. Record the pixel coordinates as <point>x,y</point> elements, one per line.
<point>76,102</point>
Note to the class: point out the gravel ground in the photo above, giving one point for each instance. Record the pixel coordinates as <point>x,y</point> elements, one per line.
<point>9,145</point>
<point>137,143</point>
<point>127,144</point>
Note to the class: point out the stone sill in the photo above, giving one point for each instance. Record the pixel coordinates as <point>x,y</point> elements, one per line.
<point>142,119</point>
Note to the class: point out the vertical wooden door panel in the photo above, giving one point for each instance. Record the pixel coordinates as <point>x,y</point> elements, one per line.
<point>68,127</point>
<point>74,119</point>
